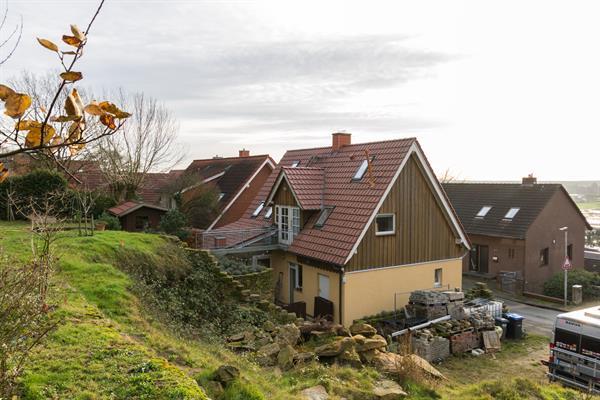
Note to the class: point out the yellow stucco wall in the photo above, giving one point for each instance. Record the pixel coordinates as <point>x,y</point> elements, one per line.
<point>310,282</point>
<point>371,291</point>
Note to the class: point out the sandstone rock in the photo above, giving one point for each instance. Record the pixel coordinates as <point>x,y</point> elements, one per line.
<point>267,355</point>
<point>214,388</point>
<point>314,393</point>
<point>368,356</point>
<point>392,363</point>
<point>376,342</point>
<point>334,348</point>
<point>285,358</point>
<point>359,339</point>
<point>360,328</point>
<point>287,334</point>
<point>226,374</point>
<point>340,330</point>
<point>269,326</point>
<point>350,357</point>
<point>236,338</point>
<point>388,390</point>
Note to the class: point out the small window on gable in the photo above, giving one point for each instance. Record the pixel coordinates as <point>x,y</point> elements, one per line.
<point>295,163</point>
<point>268,212</point>
<point>325,213</point>
<point>360,172</point>
<point>258,209</point>
<point>544,256</point>
<point>483,212</point>
<point>221,195</point>
<point>511,213</point>
<point>385,224</point>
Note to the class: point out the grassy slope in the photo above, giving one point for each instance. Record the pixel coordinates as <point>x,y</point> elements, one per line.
<point>109,347</point>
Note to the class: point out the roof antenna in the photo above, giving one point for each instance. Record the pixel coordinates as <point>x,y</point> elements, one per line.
<point>370,168</point>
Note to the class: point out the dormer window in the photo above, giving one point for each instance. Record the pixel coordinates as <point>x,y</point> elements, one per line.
<point>268,213</point>
<point>483,212</point>
<point>323,216</point>
<point>511,213</point>
<point>361,171</point>
<point>221,195</point>
<point>258,209</point>
<point>295,163</point>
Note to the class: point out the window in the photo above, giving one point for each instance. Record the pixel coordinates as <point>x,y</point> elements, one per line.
<point>325,213</point>
<point>287,220</point>
<point>296,278</point>
<point>141,222</point>
<point>483,212</point>
<point>511,213</point>
<point>385,224</point>
<point>566,340</point>
<point>295,221</point>
<point>511,253</point>
<point>360,172</point>
<point>570,251</point>
<point>268,212</point>
<point>544,255</point>
<point>437,278</point>
<point>258,209</point>
<point>590,346</point>
<point>295,163</point>
<point>221,195</point>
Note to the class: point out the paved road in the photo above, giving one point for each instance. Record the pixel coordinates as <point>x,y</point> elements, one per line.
<point>537,320</point>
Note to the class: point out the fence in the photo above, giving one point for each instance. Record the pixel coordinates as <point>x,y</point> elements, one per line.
<point>221,239</point>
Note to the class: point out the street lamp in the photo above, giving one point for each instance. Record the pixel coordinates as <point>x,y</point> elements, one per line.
<point>565,229</point>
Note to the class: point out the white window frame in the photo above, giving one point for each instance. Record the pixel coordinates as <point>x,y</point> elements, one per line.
<point>295,163</point>
<point>360,172</point>
<point>512,213</point>
<point>258,209</point>
<point>221,195</point>
<point>287,219</point>
<point>296,268</point>
<point>484,211</point>
<point>269,212</point>
<point>385,233</point>
<point>437,283</point>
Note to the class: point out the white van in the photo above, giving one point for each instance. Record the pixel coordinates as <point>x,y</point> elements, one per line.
<point>575,350</point>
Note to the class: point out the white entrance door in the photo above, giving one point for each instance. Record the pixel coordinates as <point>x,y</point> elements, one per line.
<point>324,286</point>
<point>288,223</point>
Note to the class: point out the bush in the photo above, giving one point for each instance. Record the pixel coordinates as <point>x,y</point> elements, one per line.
<point>555,285</point>
<point>173,223</point>
<point>112,222</point>
<point>102,203</point>
<point>238,267</point>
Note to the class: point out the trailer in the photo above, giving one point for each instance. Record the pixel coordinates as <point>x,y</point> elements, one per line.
<point>575,350</point>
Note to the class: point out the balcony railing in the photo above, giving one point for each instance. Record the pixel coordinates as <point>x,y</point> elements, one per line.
<point>236,239</point>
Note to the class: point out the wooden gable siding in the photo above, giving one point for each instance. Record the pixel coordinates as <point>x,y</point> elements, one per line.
<point>423,232</point>
<point>284,196</point>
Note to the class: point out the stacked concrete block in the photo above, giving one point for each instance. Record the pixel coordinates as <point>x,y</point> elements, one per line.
<point>427,304</point>
<point>431,348</point>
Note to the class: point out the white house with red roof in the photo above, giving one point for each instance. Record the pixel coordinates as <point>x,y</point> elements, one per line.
<point>350,229</point>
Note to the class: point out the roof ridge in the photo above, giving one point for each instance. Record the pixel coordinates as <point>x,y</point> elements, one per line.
<point>411,138</point>
<point>286,167</point>
<point>229,158</point>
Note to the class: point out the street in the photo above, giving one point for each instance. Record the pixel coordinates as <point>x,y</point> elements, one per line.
<point>537,320</point>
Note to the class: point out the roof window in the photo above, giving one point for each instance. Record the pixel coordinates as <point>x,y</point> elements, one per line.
<point>360,172</point>
<point>268,212</point>
<point>258,209</point>
<point>323,216</point>
<point>511,213</point>
<point>483,212</point>
<point>221,195</point>
<point>295,163</point>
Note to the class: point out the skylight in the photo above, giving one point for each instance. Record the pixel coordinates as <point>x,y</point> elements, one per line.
<point>325,213</point>
<point>361,171</point>
<point>483,212</point>
<point>295,163</point>
<point>258,209</point>
<point>221,195</point>
<point>268,212</point>
<point>511,213</point>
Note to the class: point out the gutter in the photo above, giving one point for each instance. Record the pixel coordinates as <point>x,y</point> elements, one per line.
<point>341,273</point>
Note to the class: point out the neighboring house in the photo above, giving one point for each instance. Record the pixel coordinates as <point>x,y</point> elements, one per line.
<point>237,180</point>
<point>591,259</point>
<point>351,229</point>
<point>138,217</point>
<point>517,228</point>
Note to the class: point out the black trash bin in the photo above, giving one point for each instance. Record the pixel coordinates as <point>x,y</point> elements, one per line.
<point>503,323</point>
<point>515,326</point>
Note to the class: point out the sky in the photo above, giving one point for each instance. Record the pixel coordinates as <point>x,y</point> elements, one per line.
<point>492,90</point>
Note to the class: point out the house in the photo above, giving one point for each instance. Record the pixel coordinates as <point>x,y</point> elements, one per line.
<point>137,216</point>
<point>237,181</point>
<point>591,259</point>
<point>519,228</point>
<point>350,229</point>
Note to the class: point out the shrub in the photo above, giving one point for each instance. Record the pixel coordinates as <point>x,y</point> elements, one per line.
<point>555,285</point>
<point>239,391</point>
<point>236,266</point>
<point>173,223</point>
<point>102,203</point>
<point>112,222</point>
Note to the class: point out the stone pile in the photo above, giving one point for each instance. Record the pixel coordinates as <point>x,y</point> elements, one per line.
<point>427,304</point>
<point>431,348</point>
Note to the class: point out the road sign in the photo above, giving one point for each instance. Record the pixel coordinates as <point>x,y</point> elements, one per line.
<point>567,266</point>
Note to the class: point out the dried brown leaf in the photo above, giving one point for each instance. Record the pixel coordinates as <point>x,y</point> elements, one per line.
<point>48,44</point>
<point>66,118</point>
<point>77,33</point>
<point>94,109</point>
<point>108,121</point>
<point>71,76</point>
<point>16,104</point>
<point>71,40</point>
<point>5,91</point>
<point>73,106</point>
<point>114,110</point>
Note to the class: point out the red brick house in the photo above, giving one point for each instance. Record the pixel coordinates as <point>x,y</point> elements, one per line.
<point>236,179</point>
<point>517,228</point>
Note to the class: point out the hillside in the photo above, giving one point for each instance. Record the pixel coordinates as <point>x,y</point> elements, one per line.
<point>115,343</point>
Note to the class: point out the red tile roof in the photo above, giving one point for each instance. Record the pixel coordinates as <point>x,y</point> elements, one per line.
<point>354,202</point>
<point>307,184</point>
<point>127,207</point>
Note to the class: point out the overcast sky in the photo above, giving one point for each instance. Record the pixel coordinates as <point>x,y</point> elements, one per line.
<point>492,90</point>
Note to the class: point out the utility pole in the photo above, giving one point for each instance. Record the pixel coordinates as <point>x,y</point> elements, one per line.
<point>565,229</point>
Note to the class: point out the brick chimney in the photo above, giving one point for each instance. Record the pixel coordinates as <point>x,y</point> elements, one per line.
<point>529,180</point>
<point>244,153</point>
<point>340,139</point>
